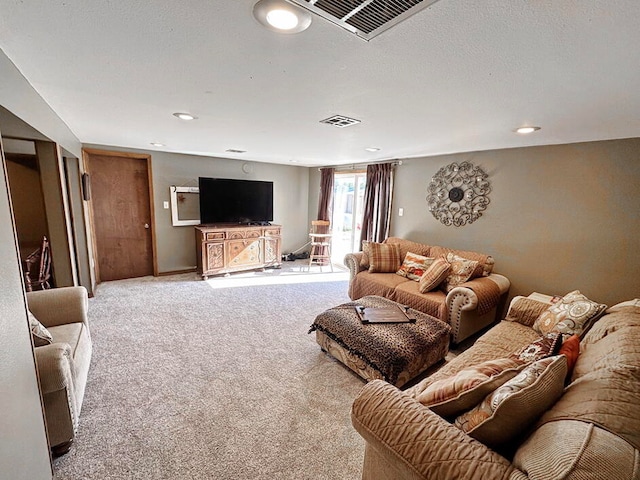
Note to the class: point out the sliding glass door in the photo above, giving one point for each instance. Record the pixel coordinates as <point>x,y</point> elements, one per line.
<point>348,196</point>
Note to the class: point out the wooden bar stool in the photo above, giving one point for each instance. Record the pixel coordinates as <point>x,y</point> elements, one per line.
<point>320,235</point>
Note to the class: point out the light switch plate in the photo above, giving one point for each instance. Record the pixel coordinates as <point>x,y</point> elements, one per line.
<point>166,205</point>
<point>400,211</point>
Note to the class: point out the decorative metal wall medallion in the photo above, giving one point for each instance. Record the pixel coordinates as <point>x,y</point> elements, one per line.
<point>458,194</point>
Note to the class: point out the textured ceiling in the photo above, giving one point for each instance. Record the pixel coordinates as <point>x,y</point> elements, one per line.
<point>457,76</point>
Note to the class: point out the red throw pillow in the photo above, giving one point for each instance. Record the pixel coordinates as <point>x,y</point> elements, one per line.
<point>571,349</point>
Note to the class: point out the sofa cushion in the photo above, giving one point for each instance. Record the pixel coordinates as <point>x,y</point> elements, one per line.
<point>629,305</point>
<point>572,314</point>
<point>485,262</point>
<point>516,405</point>
<point>380,284</point>
<point>604,386</point>
<point>407,246</point>
<point>453,395</point>
<point>545,346</point>
<point>414,265</point>
<point>570,449</point>
<point>431,303</point>
<point>434,275</point>
<point>461,270</point>
<point>525,310</point>
<point>384,258</point>
<point>499,342</point>
<point>39,333</point>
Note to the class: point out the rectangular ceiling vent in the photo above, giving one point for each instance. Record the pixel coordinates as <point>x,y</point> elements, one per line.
<point>340,121</point>
<point>365,18</point>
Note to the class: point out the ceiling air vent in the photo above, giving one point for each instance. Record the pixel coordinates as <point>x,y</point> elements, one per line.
<point>365,18</point>
<point>340,121</point>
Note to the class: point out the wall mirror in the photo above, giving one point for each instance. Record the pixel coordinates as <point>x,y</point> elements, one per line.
<point>185,206</point>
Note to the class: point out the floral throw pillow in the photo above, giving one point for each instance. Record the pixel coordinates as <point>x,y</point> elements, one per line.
<point>546,346</point>
<point>414,266</point>
<point>461,270</point>
<point>573,314</point>
<point>516,405</point>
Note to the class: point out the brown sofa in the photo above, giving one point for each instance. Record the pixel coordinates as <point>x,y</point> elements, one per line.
<point>591,432</point>
<point>63,366</point>
<point>468,308</point>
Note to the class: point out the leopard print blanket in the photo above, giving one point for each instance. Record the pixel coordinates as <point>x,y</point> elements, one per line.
<point>387,348</point>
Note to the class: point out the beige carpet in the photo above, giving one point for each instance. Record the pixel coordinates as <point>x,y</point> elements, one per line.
<point>215,380</point>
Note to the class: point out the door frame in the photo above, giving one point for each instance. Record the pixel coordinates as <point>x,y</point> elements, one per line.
<point>86,154</point>
<point>357,174</point>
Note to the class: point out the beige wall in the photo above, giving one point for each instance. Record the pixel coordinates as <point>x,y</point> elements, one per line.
<point>24,452</point>
<point>176,245</point>
<point>23,445</point>
<point>561,217</point>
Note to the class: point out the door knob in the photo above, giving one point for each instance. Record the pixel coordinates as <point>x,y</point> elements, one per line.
<point>146,225</point>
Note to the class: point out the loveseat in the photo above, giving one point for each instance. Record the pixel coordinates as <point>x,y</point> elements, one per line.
<point>63,364</point>
<point>592,431</point>
<point>467,308</point>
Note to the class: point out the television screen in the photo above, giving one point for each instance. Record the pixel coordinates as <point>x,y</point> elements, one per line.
<point>223,200</point>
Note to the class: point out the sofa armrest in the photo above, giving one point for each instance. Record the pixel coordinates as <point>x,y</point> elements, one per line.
<point>59,306</point>
<point>352,262</point>
<point>419,443</point>
<point>54,367</point>
<point>471,299</point>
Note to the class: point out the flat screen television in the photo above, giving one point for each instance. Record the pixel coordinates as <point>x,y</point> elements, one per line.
<point>224,200</point>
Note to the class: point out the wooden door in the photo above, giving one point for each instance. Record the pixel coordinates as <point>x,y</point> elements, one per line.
<point>122,214</point>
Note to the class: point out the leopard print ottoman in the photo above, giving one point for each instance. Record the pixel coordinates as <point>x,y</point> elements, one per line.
<point>395,352</point>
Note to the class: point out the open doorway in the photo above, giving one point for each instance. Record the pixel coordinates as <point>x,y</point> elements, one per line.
<point>348,199</point>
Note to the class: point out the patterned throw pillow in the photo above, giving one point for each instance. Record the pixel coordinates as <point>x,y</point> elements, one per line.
<point>435,275</point>
<point>452,396</point>
<point>414,266</point>
<point>573,314</point>
<point>517,404</point>
<point>546,346</point>
<point>461,270</point>
<point>39,333</point>
<point>384,257</point>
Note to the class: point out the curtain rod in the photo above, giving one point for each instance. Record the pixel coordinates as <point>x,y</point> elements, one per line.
<point>362,166</point>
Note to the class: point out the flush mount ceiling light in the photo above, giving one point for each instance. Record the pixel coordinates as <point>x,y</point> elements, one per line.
<point>525,130</point>
<point>280,16</point>
<point>157,144</point>
<point>372,149</point>
<point>184,116</point>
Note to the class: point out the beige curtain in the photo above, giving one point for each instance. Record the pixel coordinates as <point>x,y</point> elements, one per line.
<point>325,202</point>
<point>377,202</point>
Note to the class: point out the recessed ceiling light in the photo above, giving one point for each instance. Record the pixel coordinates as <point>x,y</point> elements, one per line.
<point>281,16</point>
<point>372,149</point>
<point>527,129</point>
<point>157,144</point>
<point>235,150</point>
<point>184,116</point>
